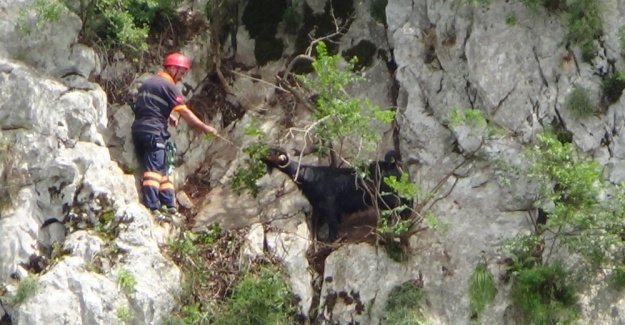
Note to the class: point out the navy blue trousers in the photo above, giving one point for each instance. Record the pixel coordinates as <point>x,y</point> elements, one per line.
<point>156,187</point>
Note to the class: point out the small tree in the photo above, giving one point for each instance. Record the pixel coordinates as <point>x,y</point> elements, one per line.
<point>574,186</point>
<point>339,118</point>
<point>583,214</point>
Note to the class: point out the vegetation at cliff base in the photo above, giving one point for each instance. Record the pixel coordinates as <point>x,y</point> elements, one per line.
<point>403,305</point>
<point>221,288</point>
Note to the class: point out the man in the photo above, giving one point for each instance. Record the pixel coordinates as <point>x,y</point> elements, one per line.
<point>157,98</point>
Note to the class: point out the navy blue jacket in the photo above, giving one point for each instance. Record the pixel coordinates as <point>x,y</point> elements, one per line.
<point>157,97</point>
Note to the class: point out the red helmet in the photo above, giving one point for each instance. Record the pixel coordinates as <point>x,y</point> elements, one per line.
<point>177,60</point>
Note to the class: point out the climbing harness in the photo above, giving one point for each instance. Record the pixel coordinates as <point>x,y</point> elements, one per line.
<point>171,157</point>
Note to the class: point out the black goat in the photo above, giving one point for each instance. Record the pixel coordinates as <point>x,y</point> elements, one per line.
<point>334,191</point>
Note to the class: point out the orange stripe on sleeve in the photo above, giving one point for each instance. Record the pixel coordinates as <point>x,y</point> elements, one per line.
<point>179,108</point>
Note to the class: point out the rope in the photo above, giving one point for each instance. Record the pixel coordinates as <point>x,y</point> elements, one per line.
<point>228,141</point>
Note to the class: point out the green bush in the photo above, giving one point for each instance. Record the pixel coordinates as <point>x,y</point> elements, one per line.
<point>470,117</point>
<point>112,22</point>
<point>128,22</point>
<point>544,296</point>
<point>612,86</point>
<point>402,305</point>
<point>533,4</point>
<point>46,11</point>
<point>522,250</point>
<point>123,314</point>
<point>190,252</point>
<point>618,277</point>
<point>569,180</point>
<point>579,104</point>
<point>27,288</point>
<point>473,118</point>
<point>260,297</point>
<point>584,26</point>
<point>193,315</point>
<point>511,20</point>
<point>583,23</point>
<point>252,169</point>
<point>126,281</point>
<point>481,288</point>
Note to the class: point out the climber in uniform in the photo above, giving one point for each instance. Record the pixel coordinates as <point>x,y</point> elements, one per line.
<point>156,99</point>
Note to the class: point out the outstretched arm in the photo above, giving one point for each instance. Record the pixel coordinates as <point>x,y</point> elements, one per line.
<point>195,122</point>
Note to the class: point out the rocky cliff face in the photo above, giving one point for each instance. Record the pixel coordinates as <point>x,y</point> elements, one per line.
<point>62,141</point>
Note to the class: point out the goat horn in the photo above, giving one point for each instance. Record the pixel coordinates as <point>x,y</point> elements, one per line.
<point>288,161</point>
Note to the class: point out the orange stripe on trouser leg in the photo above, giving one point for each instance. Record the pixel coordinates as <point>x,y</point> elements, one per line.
<point>167,186</point>
<point>153,176</point>
<point>166,183</point>
<point>151,183</point>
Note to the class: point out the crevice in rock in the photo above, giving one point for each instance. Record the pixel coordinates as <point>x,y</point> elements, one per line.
<point>572,54</point>
<point>606,141</point>
<point>13,128</point>
<point>540,68</point>
<point>391,64</point>
<point>466,39</point>
<point>560,130</point>
<point>467,89</point>
<point>429,44</point>
<point>535,110</point>
<point>440,84</point>
<point>503,100</point>
<point>540,220</point>
<point>558,123</point>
